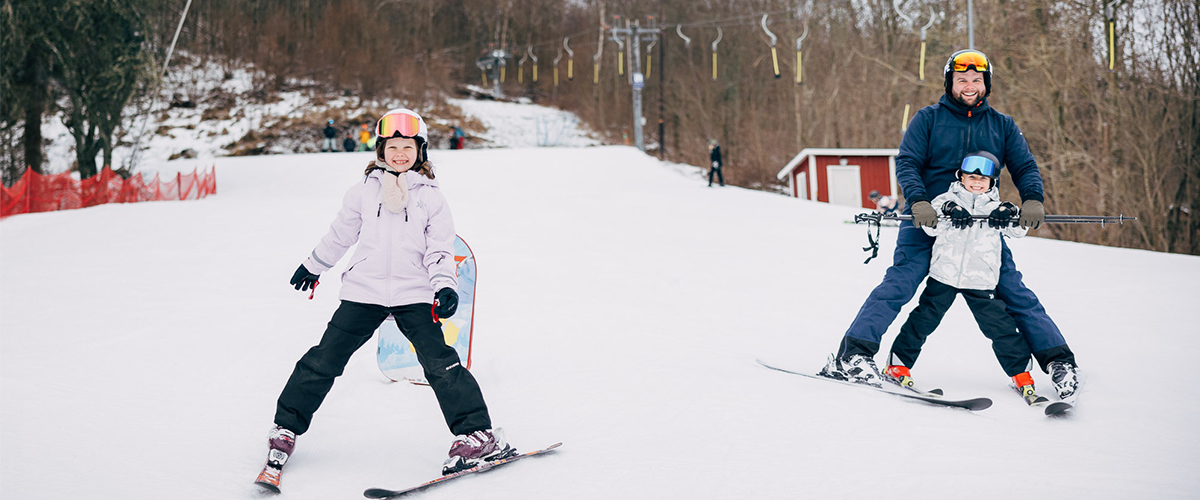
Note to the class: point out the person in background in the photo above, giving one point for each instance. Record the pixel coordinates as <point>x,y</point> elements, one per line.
<point>456,139</point>
<point>714,155</point>
<point>885,205</point>
<point>364,138</point>
<point>349,144</point>
<point>330,144</point>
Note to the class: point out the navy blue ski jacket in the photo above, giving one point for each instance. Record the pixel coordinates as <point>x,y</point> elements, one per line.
<point>941,135</point>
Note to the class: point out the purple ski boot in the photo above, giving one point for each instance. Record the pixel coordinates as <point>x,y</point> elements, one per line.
<point>469,450</point>
<point>281,442</point>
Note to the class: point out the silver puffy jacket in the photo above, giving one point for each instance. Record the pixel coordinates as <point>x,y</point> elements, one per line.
<point>968,258</point>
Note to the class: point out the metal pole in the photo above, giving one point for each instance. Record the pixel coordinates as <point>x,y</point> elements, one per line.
<point>662,68</point>
<point>637,89</point>
<point>132,161</point>
<point>970,24</point>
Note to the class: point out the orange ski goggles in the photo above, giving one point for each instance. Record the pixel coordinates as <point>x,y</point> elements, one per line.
<point>967,60</point>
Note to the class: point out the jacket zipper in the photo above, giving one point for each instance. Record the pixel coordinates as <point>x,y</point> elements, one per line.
<point>379,211</point>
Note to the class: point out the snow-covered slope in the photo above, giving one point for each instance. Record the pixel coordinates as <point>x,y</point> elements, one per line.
<point>621,305</point>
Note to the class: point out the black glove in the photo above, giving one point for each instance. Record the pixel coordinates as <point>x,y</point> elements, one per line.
<point>303,280</point>
<point>959,217</point>
<point>1002,216</point>
<point>923,214</point>
<point>445,303</point>
<point>1033,214</point>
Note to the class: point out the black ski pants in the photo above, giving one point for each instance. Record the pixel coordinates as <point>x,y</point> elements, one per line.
<point>352,325</point>
<point>720,176</point>
<point>1010,347</point>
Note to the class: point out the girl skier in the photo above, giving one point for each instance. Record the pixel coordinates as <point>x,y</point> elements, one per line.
<point>404,267</point>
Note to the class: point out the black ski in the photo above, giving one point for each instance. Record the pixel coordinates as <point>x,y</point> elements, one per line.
<point>1054,409</point>
<point>486,466</point>
<point>968,404</point>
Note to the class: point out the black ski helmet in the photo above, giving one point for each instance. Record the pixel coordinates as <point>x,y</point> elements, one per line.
<point>971,164</point>
<point>971,58</point>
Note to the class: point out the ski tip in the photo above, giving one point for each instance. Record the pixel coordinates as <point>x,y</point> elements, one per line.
<point>980,404</point>
<point>267,488</point>
<point>378,493</point>
<point>1058,408</point>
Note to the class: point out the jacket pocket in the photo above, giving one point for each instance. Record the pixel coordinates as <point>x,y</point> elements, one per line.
<point>352,266</point>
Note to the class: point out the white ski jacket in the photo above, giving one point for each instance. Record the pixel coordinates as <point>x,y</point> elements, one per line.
<point>968,258</point>
<point>402,258</point>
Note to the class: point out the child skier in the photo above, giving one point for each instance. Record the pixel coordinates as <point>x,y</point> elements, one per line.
<point>364,138</point>
<point>404,267</point>
<point>966,260</point>
<point>886,205</point>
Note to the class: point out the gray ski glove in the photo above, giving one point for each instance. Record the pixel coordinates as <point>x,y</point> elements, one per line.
<point>1033,214</point>
<point>924,214</point>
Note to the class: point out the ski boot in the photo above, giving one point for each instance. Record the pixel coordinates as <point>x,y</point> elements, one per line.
<point>899,375</point>
<point>859,369</point>
<point>1065,378</point>
<point>1024,384</point>
<point>470,450</point>
<point>281,442</point>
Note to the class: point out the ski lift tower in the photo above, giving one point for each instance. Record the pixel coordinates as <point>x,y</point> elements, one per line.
<point>637,34</point>
<point>492,63</point>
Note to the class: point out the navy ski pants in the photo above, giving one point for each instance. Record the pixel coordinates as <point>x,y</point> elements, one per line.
<point>352,325</point>
<point>910,266</point>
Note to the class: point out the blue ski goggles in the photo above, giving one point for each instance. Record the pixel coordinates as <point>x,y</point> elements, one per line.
<point>979,165</point>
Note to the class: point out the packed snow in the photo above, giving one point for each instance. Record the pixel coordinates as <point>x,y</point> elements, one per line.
<point>519,125</point>
<point>621,305</point>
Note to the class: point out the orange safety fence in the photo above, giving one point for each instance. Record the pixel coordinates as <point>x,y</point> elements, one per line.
<point>35,192</point>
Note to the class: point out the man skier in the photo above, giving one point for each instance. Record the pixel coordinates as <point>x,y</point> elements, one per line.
<point>937,139</point>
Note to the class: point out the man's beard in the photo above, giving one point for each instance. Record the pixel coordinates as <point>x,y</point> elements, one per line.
<point>958,97</point>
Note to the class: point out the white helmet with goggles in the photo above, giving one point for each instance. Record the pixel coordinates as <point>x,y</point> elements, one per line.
<point>406,123</point>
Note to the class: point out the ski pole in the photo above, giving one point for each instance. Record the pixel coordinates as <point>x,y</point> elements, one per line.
<point>1050,218</point>
<point>874,218</point>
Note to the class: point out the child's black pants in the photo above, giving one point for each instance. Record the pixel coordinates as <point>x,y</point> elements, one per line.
<point>1010,347</point>
<point>352,325</point>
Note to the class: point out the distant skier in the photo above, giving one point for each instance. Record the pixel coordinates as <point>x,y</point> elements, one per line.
<point>404,267</point>
<point>714,156</point>
<point>966,261</point>
<point>330,135</point>
<point>929,157</point>
<point>364,138</point>
<point>349,144</point>
<point>885,205</point>
<point>457,138</point>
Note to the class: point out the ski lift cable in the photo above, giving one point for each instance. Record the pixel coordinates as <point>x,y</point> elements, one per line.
<point>713,23</point>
